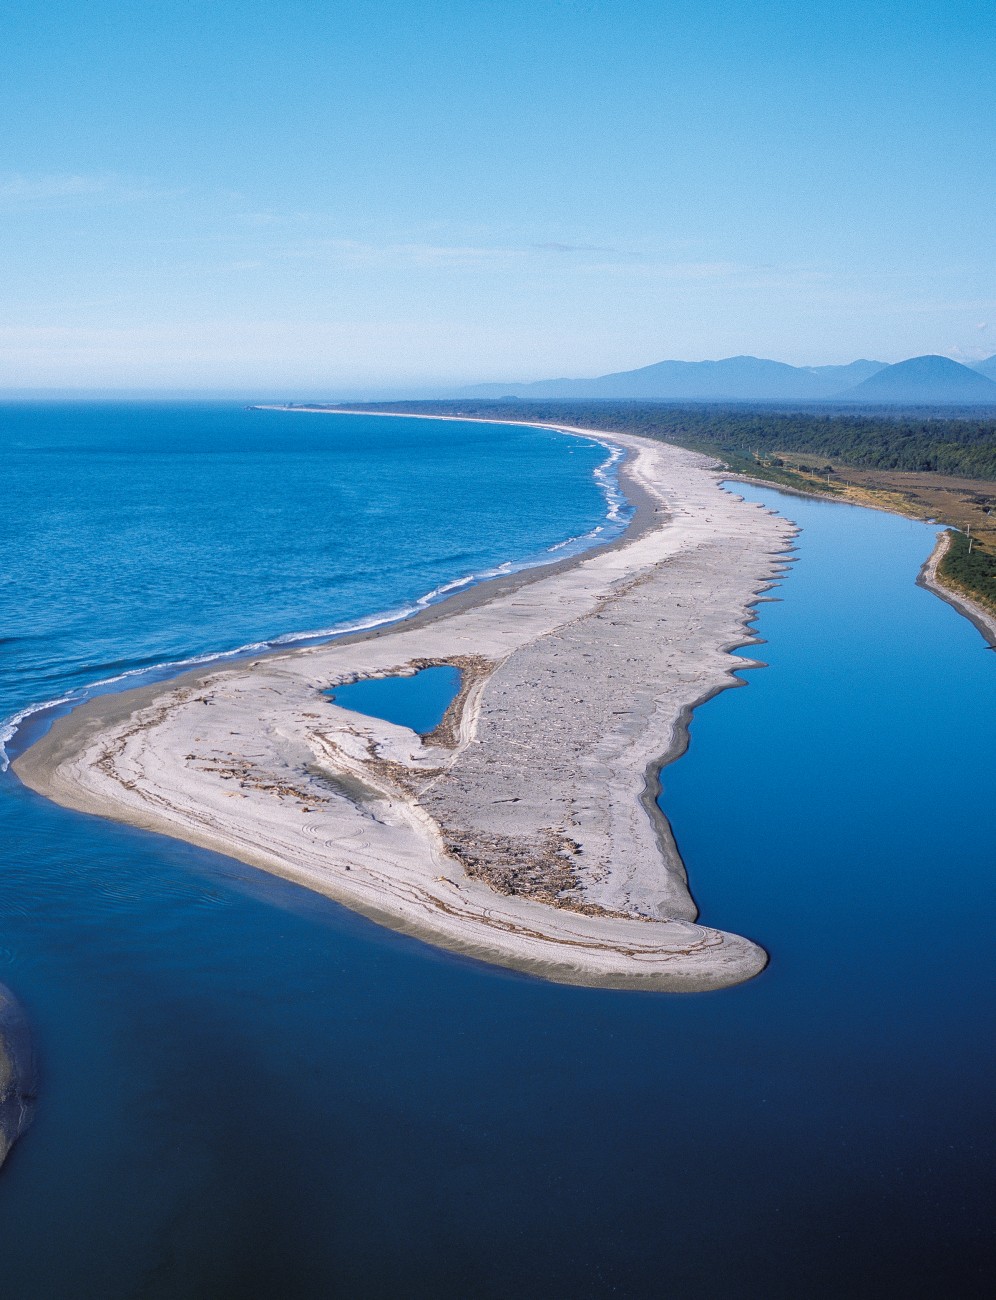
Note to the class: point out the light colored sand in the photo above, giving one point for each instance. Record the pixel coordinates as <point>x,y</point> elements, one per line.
<point>581,681</point>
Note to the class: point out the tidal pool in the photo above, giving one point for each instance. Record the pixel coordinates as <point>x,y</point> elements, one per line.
<point>418,700</point>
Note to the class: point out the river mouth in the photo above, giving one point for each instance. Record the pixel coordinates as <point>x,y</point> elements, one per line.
<point>248,1090</point>
<point>416,700</point>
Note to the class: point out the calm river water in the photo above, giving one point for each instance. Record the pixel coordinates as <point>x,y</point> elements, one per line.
<point>248,1091</point>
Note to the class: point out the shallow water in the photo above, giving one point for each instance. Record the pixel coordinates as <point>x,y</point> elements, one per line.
<point>248,1091</point>
<point>418,701</point>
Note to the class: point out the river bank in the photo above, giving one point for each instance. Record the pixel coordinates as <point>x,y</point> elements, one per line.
<point>930,578</point>
<point>530,841</point>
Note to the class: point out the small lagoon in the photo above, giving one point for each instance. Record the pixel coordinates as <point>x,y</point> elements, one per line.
<point>418,701</point>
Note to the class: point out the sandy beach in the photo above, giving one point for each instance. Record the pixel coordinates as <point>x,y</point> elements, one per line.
<point>524,830</point>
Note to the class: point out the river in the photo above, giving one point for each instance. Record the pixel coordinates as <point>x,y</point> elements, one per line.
<point>248,1091</point>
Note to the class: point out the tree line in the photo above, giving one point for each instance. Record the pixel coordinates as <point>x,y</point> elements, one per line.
<point>940,444</point>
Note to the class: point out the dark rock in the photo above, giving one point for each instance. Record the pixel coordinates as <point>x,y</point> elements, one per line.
<point>17,1072</point>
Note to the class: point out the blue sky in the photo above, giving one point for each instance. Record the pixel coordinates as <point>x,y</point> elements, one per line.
<point>322,196</point>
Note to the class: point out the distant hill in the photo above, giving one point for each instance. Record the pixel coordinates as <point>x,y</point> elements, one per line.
<point>924,381</point>
<point>733,379</point>
<point>920,381</point>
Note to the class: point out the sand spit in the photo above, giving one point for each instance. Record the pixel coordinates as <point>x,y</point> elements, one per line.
<point>523,831</point>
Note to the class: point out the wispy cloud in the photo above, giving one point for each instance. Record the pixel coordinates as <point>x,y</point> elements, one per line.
<point>360,253</point>
<point>303,235</point>
<point>36,189</point>
<point>555,247</point>
<point>967,355</point>
<point>955,305</point>
<point>590,259</point>
<point>269,220</point>
<point>20,190</point>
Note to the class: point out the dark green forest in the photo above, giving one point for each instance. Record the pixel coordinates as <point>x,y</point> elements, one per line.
<point>970,569</point>
<point>944,445</point>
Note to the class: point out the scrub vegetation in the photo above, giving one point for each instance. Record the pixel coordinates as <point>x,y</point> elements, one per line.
<point>970,568</point>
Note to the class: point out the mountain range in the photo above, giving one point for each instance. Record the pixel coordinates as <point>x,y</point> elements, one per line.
<point>928,380</point>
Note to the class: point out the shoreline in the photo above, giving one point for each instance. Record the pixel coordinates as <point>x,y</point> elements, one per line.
<point>576,896</point>
<point>981,618</point>
<point>928,577</point>
<point>467,597</point>
<point>384,623</point>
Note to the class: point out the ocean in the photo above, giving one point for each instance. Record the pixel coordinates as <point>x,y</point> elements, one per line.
<point>248,1091</point>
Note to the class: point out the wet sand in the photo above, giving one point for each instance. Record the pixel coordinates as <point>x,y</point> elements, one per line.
<point>524,831</point>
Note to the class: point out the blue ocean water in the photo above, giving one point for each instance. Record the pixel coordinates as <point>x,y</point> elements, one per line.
<point>248,1091</point>
<point>142,534</point>
<point>418,701</point>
